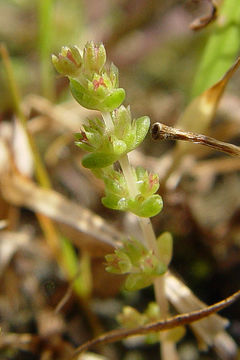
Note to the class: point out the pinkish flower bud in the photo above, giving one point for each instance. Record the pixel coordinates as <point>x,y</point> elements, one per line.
<point>94,57</point>
<point>68,62</point>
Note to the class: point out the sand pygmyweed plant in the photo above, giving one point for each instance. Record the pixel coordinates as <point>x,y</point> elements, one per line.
<point>93,85</point>
<point>109,139</point>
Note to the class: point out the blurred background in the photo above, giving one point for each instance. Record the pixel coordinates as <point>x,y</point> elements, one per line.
<point>168,53</point>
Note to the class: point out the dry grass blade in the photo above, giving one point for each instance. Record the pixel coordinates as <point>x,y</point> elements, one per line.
<point>164,132</point>
<point>21,191</point>
<point>178,320</point>
<point>203,107</point>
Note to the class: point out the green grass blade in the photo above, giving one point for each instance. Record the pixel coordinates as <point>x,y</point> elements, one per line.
<point>77,270</point>
<point>221,49</point>
<point>45,20</point>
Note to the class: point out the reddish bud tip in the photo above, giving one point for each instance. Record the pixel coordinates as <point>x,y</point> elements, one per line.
<point>71,58</point>
<point>97,83</point>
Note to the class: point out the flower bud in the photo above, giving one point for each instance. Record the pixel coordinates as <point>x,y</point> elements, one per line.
<point>130,318</point>
<point>118,263</point>
<point>68,62</point>
<point>135,259</point>
<point>92,84</point>
<point>94,57</point>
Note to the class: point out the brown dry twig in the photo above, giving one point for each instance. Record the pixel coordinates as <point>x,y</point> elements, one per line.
<point>164,132</point>
<point>179,320</point>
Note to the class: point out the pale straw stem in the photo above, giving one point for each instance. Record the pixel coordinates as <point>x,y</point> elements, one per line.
<point>168,349</point>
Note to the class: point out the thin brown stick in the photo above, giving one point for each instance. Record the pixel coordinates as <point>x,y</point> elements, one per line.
<point>164,132</point>
<point>67,294</point>
<point>179,320</point>
<point>64,299</point>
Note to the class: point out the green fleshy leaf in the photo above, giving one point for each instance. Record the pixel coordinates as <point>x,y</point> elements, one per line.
<point>135,250</point>
<point>84,146</point>
<point>101,99</point>
<point>165,247</point>
<point>138,281</point>
<point>160,268</point>
<point>115,184</point>
<point>153,183</point>
<point>113,100</point>
<point>141,173</point>
<point>119,147</point>
<point>142,127</point>
<point>147,183</point>
<point>115,188</point>
<point>81,95</point>
<point>122,120</point>
<point>114,75</point>
<point>94,139</point>
<point>77,88</point>
<point>78,136</point>
<point>148,208</point>
<point>130,140</point>
<point>123,204</point>
<point>97,124</point>
<point>98,160</point>
<point>114,202</point>
<point>142,180</point>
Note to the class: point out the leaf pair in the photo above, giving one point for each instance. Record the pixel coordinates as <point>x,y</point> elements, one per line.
<point>145,204</point>
<point>131,318</point>
<point>134,259</point>
<point>107,147</point>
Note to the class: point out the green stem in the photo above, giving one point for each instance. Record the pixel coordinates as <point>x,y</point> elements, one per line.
<point>128,174</point>
<point>108,121</point>
<point>148,233</point>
